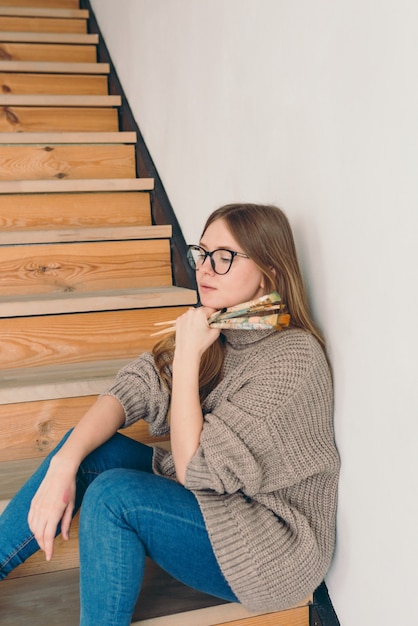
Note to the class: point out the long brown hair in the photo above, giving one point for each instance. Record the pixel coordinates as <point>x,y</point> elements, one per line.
<point>263,232</point>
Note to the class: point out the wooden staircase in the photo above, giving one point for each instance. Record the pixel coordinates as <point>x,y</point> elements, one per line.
<point>84,275</point>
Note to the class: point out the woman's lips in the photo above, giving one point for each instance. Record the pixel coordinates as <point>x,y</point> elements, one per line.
<point>206,288</point>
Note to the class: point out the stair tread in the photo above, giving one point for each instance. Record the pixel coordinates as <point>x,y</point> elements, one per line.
<point>58,381</point>
<point>107,233</point>
<point>33,37</point>
<point>163,601</point>
<point>44,12</point>
<point>64,138</point>
<point>46,100</point>
<point>56,303</point>
<point>52,67</point>
<point>64,186</point>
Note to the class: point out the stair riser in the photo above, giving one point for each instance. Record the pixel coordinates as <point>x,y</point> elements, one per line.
<point>65,557</point>
<point>32,429</point>
<point>47,52</point>
<point>83,267</point>
<point>58,84</point>
<point>42,25</point>
<point>77,338</point>
<point>58,119</point>
<point>74,210</point>
<point>70,162</point>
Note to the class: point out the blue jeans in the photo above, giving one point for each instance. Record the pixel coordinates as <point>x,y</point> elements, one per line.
<point>128,513</point>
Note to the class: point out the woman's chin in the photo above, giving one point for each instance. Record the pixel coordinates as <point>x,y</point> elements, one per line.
<point>211,300</point>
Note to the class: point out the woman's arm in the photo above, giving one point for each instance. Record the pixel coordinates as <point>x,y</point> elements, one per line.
<point>55,498</point>
<point>193,337</point>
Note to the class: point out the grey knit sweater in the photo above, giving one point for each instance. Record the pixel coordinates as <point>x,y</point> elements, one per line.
<point>266,471</point>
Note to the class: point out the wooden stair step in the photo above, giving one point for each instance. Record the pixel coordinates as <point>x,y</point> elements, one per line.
<point>25,11</point>
<point>76,210</point>
<point>68,38</point>
<point>42,24</point>
<point>84,267</point>
<point>14,474</point>
<point>163,601</point>
<point>31,429</point>
<point>71,235</point>
<point>50,67</point>
<point>55,340</point>
<point>58,119</point>
<point>65,186</point>
<point>57,303</point>
<point>67,161</point>
<point>45,100</point>
<point>59,4</point>
<point>65,138</point>
<point>59,84</point>
<point>63,53</point>
<point>29,386</point>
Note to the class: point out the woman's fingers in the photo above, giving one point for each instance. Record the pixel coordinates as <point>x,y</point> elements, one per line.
<point>44,528</point>
<point>66,522</point>
<point>53,503</point>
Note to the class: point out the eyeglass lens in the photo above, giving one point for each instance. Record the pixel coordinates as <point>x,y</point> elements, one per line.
<point>221,260</point>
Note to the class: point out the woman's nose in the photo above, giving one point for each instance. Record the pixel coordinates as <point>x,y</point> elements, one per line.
<point>207,266</point>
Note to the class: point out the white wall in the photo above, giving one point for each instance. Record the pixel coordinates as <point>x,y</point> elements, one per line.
<point>313,106</point>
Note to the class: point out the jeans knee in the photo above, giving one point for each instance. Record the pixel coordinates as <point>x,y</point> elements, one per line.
<point>100,492</point>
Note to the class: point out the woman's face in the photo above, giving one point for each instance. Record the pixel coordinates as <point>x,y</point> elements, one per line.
<point>243,282</point>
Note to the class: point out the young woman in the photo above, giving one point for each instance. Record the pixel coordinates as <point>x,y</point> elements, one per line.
<point>243,507</point>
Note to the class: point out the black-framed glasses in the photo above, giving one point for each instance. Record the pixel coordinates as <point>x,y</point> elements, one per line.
<point>220,259</point>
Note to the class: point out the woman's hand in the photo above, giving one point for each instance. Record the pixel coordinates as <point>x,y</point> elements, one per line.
<point>193,333</point>
<point>53,502</point>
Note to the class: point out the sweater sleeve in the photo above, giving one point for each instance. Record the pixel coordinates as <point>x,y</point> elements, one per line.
<point>268,433</point>
<point>140,391</point>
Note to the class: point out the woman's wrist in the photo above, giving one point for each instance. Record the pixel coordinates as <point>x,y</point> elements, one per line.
<point>65,461</point>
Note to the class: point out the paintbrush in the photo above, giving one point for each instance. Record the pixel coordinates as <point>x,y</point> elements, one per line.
<point>241,313</point>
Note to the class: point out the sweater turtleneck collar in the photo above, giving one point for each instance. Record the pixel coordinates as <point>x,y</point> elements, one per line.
<point>238,338</point>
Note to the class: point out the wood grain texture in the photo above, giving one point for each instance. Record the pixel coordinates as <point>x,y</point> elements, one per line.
<point>49,67</point>
<point>291,617</point>
<point>116,233</point>
<point>61,84</point>
<point>73,38</point>
<point>68,339</point>
<point>84,267</point>
<point>42,24</point>
<point>53,599</point>
<point>65,557</point>
<point>69,302</point>
<point>32,429</point>
<point>13,475</point>
<point>62,53</point>
<point>26,139</point>
<point>54,119</point>
<point>48,101</point>
<point>57,4</point>
<point>48,12</point>
<point>68,161</point>
<point>74,210</point>
<point>76,185</point>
